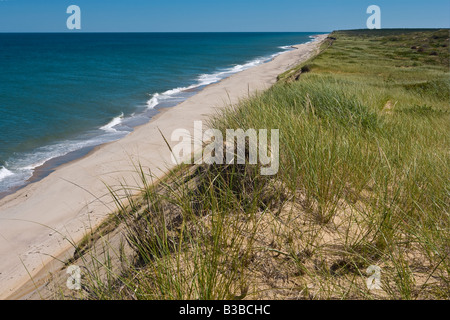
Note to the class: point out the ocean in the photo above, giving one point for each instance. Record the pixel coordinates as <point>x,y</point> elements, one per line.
<point>65,92</point>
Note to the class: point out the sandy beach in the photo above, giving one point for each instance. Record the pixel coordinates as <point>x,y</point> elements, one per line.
<point>39,222</point>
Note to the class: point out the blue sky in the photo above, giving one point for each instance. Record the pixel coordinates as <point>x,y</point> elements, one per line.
<point>212,15</point>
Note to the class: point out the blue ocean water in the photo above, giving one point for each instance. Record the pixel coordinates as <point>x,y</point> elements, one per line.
<point>63,92</point>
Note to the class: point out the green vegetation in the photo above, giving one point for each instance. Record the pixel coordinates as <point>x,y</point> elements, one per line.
<point>364,180</point>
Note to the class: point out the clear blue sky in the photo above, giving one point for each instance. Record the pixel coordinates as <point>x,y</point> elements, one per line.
<point>213,15</point>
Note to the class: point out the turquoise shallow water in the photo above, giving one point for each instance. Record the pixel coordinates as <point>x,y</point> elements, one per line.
<point>60,93</point>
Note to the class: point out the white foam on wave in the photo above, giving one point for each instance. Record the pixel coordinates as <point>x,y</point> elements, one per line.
<point>204,80</point>
<point>21,167</point>
<point>40,156</point>
<point>114,122</point>
<point>313,38</point>
<point>157,98</point>
<point>209,78</point>
<point>286,47</point>
<point>4,173</point>
<point>153,102</point>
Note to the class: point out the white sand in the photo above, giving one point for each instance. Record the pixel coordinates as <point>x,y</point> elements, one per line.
<point>35,219</point>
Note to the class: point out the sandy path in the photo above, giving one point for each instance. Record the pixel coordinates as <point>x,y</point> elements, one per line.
<point>74,197</point>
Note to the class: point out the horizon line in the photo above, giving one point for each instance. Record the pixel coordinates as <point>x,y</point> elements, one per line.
<point>76,31</point>
<point>356,29</point>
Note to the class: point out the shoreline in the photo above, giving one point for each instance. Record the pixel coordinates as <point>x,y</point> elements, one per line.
<point>53,164</point>
<point>50,165</point>
<point>76,199</point>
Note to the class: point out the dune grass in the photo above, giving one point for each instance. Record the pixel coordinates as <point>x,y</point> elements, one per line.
<point>364,180</point>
